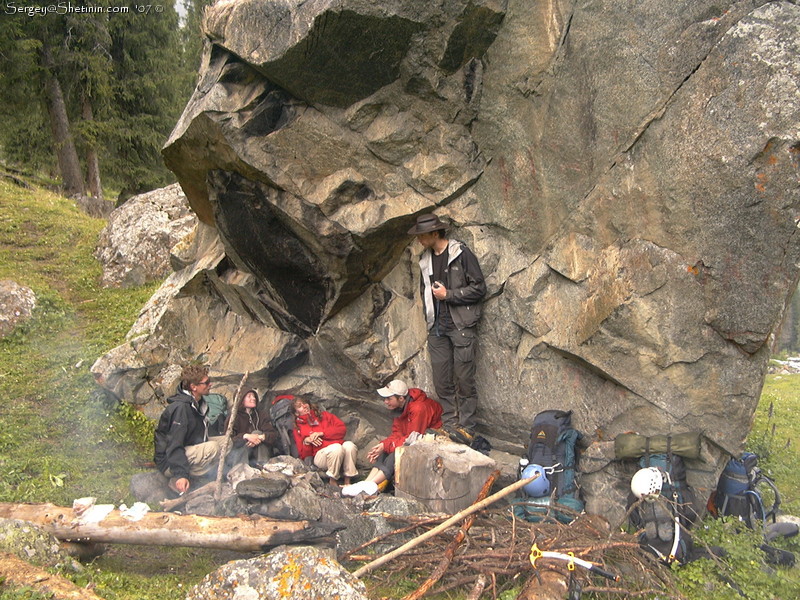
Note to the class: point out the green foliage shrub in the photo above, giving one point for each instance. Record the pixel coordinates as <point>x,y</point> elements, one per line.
<point>742,572</point>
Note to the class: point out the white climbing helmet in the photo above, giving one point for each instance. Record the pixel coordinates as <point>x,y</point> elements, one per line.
<point>646,483</point>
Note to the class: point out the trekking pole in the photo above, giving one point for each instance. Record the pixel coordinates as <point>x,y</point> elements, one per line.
<point>571,561</point>
<point>226,444</point>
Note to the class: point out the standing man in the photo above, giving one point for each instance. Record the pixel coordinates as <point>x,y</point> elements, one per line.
<point>452,287</point>
<point>417,413</point>
<point>182,447</point>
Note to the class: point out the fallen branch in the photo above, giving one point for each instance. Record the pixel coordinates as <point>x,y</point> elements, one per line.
<point>19,573</point>
<point>168,529</point>
<point>477,589</point>
<point>226,445</point>
<point>169,505</point>
<point>449,522</point>
<point>441,568</point>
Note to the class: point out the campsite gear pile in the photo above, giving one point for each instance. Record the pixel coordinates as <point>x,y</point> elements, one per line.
<point>662,504</point>
<point>552,454</point>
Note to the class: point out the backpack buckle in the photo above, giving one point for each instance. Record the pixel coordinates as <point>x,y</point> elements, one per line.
<point>556,468</point>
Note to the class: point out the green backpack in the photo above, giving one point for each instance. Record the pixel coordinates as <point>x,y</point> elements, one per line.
<point>217,413</point>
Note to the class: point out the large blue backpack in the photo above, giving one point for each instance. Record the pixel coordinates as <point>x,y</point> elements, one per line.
<point>738,492</point>
<point>552,446</point>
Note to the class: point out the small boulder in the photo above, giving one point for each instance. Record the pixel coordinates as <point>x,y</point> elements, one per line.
<point>300,573</point>
<point>300,502</point>
<point>150,487</point>
<point>134,248</point>
<point>16,305</point>
<point>34,545</point>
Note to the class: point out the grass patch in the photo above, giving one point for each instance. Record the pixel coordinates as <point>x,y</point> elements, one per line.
<point>61,437</point>
<point>776,434</point>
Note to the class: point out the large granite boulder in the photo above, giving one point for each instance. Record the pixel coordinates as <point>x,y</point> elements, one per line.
<point>626,174</point>
<point>33,544</point>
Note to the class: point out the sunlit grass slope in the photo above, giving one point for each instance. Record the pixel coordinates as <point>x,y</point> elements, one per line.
<point>60,437</point>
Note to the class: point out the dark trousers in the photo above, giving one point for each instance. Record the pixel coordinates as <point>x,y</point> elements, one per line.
<point>385,464</point>
<point>453,364</point>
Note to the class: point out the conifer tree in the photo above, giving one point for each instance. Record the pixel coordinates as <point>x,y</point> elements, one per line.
<point>192,34</point>
<point>111,85</point>
<point>151,86</point>
<point>34,58</point>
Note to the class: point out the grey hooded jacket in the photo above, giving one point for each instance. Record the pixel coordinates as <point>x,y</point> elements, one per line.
<point>464,281</point>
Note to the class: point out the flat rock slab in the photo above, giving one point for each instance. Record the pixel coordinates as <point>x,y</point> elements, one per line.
<point>262,488</point>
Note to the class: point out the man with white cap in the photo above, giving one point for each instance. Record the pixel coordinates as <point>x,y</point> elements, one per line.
<point>418,413</point>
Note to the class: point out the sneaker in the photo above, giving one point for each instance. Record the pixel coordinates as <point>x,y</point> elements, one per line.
<point>370,488</point>
<point>354,489</point>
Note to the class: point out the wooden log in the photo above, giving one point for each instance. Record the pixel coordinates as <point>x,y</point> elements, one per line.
<point>170,505</point>
<point>477,588</point>
<point>443,475</point>
<point>546,584</point>
<point>450,551</point>
<point>17,573</point>
<point>246,534</point>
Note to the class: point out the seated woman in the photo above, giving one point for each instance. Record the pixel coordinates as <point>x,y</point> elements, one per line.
<point>320,434</point>
<point>253,433</point>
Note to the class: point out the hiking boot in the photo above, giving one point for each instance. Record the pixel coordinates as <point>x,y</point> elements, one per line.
<point>458,434</point>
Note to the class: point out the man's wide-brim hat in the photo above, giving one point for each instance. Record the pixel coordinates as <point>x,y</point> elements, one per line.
<point>426,224</point>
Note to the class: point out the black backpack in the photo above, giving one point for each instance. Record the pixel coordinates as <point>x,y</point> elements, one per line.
<point>552,446</point>
<point>281,413</point>
<point>739,492</point>
<point>664,522</point>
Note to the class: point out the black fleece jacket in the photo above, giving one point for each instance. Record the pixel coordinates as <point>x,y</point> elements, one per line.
<point>181,424</point>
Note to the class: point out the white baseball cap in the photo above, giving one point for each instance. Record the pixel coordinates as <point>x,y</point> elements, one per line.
<point>394,388</point>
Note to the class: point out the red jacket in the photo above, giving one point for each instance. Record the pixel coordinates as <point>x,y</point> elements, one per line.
<point>331,426</point>
<point>419,414</point>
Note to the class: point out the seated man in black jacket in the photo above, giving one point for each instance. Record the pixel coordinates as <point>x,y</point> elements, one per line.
<point>182,445</point>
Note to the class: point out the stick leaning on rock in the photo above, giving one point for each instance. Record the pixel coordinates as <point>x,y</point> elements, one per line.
<point>226,445</point>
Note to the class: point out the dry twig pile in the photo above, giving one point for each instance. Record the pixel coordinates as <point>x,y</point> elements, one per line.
<point>494,555</point>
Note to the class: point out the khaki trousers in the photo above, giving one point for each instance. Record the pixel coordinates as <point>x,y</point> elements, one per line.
<point>332,458</point>
<point>202,457</point>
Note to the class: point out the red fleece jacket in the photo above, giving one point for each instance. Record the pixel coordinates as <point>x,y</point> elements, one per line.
<point>332,427</point>
<point>419,414</point>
